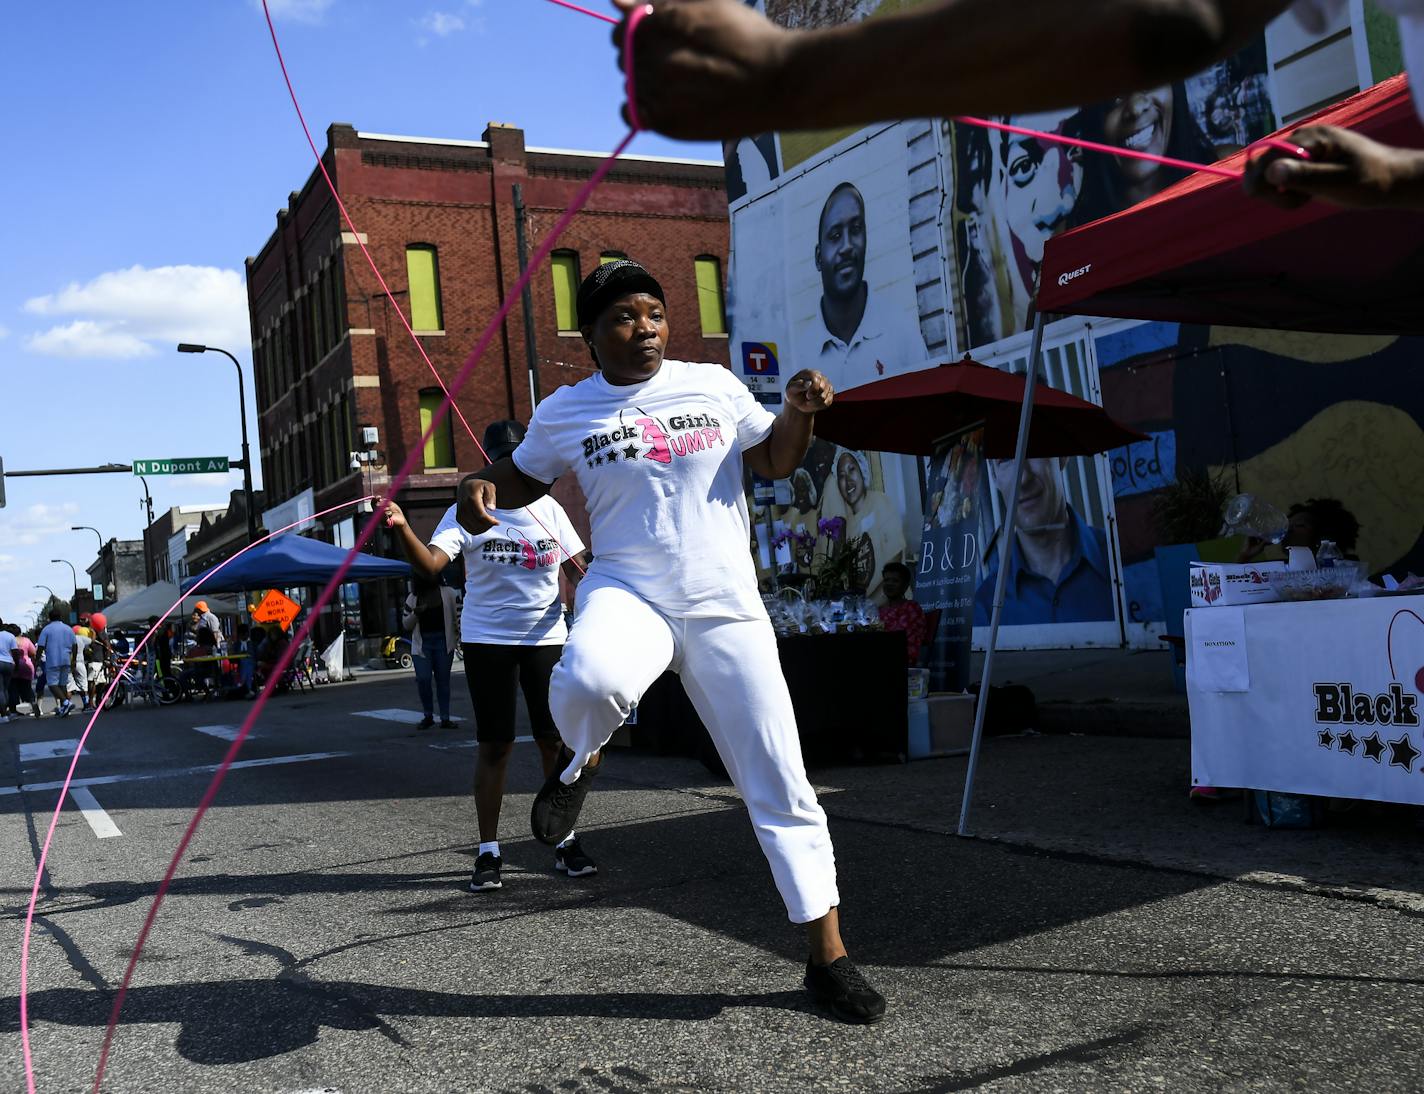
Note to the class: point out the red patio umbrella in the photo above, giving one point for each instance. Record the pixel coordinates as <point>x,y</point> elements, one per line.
<point>917,412</point>
<point>1203,251</point>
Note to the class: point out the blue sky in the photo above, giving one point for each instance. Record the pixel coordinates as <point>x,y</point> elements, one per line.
<point>153,146</point>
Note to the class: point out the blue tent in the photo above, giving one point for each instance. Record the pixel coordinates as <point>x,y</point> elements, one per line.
<point>295,560</point>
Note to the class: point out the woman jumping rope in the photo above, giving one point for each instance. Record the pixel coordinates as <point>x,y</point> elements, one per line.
<point>658,447</point>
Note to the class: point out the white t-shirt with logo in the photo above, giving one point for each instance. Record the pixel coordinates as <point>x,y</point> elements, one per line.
<point>660,463</point>
<point>512,574</point>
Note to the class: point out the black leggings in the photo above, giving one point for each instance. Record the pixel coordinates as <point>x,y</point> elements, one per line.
<point>492,673</point>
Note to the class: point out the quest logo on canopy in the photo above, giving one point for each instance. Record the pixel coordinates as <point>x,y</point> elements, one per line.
<point>1073,275</point>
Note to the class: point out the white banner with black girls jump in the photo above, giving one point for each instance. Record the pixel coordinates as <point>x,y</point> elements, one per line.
<point>1320,698</point>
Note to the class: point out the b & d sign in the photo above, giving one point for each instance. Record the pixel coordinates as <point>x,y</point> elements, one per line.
<point>195,465</point>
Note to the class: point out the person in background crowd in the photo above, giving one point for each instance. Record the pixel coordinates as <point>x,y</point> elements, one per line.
<point>79,668</point>
<point>58,642</point>
<point>430,618</point>
<point>22,681</point>
<point>7,671</point>
<point>716,69</point>
<point>99,655</point>
<point>270,650</point>
<point>512,628</point>
<point>247,665</point>
<point>899,613</point>
<point>203,619</point>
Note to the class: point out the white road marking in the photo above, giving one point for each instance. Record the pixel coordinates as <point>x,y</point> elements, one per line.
<point>140,776</point>
<point>49,750</point>
<point>225,733</point>
<point>101,822</point>
<point>397,714</point>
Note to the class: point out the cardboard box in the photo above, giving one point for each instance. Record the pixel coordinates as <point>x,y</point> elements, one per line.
<point>1215,584</point>
<point>951,723</point>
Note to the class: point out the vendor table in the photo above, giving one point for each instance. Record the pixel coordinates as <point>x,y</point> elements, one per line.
<point>1319,698</point>
<point>849,692</point>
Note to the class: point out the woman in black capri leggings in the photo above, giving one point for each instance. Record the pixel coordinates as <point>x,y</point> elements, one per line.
<point>512,631</point>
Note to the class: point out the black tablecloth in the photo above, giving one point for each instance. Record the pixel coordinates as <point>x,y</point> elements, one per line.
<point>848,691</point>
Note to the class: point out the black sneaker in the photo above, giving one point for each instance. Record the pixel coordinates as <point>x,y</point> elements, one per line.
<point>486,875</point>
<point>447,724</point>
<point>569,858</point>
<point>426,723</point>
<point>556,806</point>
<point>840,987</point>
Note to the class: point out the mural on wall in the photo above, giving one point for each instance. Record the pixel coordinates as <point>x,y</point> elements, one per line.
<point>1286,416</point>
<point>1013,193</point>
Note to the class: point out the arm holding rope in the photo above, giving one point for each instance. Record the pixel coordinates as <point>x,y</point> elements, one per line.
<point>717,69</point>
<point>426,560</point>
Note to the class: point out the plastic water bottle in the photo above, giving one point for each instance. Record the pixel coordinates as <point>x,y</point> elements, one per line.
<point>1328,555</point>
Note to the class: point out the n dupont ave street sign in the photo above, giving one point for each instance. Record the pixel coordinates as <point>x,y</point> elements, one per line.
<point>194,465</point>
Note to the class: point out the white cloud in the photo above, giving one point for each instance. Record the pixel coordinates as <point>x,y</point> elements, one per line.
<point>442,24</point>
<point>40,520</point>
<point>138,311</point>
<point>298,11</point>
<point>86,338</point>
<point>8,562</point>
<point>4,331</point>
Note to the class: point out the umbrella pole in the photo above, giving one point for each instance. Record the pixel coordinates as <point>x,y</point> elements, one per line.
<point>1005,557</point>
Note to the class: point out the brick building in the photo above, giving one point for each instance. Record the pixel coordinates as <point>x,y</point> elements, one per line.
<point>343,395</point>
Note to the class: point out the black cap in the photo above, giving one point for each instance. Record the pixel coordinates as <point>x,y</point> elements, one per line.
<point>609,282</point>
<point>502,438</point>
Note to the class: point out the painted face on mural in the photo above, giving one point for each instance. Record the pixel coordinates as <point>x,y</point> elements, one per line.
<point>1043,500</point>
<point>849,480</point>
<point>840,244</point>
<point>1141,121</point>
<point>1042,184</point>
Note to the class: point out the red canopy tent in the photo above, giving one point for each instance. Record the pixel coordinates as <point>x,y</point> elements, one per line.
<point>1202,251</point>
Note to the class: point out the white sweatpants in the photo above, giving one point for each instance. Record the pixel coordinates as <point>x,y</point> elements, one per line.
<point>731,671</point>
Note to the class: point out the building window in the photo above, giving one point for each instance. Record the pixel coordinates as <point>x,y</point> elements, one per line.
<point>566,281</point>
<point>423,269</point>
<point>611,256</point>
<point>709,296</point>
<point>440,445</point>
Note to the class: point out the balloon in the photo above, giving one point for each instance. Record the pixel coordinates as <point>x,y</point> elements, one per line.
<point>99,621</point>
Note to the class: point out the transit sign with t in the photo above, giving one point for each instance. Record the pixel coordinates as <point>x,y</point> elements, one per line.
<point>193,465</point>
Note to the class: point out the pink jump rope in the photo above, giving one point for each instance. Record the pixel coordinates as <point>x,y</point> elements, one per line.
<point>580,200</point>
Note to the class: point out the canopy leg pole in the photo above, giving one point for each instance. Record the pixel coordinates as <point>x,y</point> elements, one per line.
<point>1005,555</point>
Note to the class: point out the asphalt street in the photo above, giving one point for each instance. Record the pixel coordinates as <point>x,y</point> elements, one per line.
<point>319,936</point>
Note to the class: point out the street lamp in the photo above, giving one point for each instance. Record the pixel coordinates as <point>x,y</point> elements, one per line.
<point>189,347</point>
<point>47,589</point>
<point>90,528</point>
<point>73,571</point>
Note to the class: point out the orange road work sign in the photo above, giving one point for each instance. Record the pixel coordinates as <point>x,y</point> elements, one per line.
<point>277,607</point>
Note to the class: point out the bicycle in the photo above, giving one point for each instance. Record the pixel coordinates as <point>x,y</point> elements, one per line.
<point>157,690</point>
